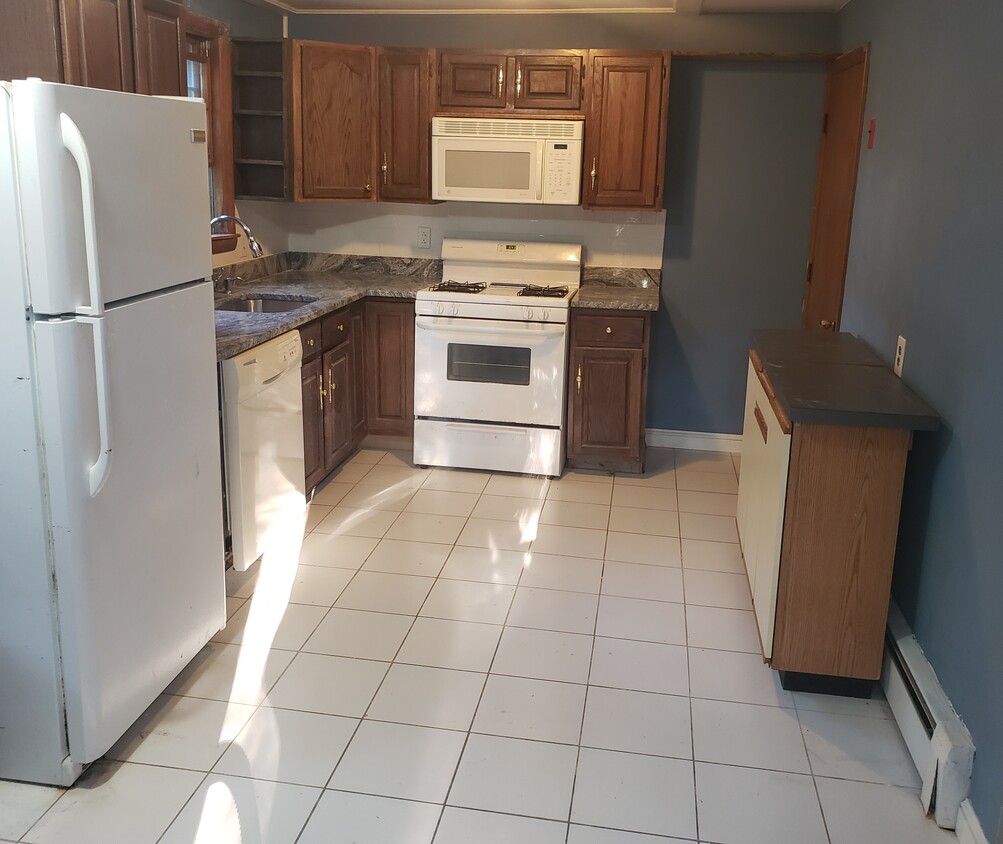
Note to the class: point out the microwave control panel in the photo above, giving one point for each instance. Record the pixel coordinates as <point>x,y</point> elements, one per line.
<point>562,172</point>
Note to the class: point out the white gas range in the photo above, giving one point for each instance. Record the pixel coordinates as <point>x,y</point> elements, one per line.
<point>491,356</point>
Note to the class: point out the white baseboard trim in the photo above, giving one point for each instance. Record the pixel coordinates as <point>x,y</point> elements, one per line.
<point>938,741</point>
<point>969,830</point>
<point>695,440</point>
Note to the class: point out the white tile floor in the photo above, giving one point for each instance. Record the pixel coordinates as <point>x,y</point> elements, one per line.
<point>462,657</point>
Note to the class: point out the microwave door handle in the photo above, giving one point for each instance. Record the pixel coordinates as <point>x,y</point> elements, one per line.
<point>539,171</point>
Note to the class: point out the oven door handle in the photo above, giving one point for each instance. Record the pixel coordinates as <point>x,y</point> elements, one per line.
<point>528,334</point>
<point>495,429</point>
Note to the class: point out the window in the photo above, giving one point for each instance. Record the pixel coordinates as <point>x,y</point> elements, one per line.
<point>207,74</point>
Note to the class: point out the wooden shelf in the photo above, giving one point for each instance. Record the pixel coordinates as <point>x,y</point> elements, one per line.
<point>263,161</point>
<point>246,112</point>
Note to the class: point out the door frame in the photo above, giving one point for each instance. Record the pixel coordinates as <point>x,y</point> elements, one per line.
<point>837,65</point>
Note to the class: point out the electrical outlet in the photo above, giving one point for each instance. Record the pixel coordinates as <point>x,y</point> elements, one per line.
<point>899,355</point>
<point>424,237</point>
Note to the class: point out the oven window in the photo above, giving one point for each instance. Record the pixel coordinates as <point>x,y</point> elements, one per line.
<point>487,169</point>
<point>487,364</point>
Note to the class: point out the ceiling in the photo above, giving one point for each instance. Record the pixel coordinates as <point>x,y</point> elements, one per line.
<point>471,7</point>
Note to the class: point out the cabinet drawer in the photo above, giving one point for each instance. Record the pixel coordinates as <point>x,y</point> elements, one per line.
<point>335,328</point>
<point>310,336</point>
<point>609,330</point>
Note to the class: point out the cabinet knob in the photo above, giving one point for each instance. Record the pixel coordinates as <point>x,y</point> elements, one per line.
<point>369,187</point>
<point>609,329</point>
<point>341,327</point>
<point>310,342</point>
<point>827,323</point>
<point>333,386</point>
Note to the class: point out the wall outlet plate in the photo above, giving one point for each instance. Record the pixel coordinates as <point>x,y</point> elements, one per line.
<point>424,237</point>
<point>899,355</point>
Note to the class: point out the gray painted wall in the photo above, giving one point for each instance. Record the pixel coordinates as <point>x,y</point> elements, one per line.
<point>925,263</point>
<point>742,155</point>
<point>731,33</point>
<point>244,19</point>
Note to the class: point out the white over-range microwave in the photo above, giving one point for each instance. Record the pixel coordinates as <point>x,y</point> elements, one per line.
<point>507,160</point>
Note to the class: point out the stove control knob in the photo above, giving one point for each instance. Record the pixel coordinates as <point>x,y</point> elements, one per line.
<point>456,309</point>
<point>546,313</point>
<point>529,313</point>
<point>439,309</point>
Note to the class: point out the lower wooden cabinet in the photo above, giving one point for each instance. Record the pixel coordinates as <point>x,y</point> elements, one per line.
<point>313,421</point>
<point>607,390</point>
<point>338,405</point>
<point>390,367</point>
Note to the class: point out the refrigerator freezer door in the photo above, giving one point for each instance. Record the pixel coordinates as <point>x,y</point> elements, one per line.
<point>138,566</point>
<point>148,186</point>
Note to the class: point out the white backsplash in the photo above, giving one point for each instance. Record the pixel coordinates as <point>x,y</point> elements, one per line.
<point>610,238</point>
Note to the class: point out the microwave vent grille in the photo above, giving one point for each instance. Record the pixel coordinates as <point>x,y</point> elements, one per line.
<point>500,128</point>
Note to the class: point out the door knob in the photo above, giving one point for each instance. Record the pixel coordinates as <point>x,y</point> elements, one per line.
<point>827,323</point>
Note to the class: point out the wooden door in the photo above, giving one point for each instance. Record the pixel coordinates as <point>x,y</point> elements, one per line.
<point>358,361</point>
<point>845,96</point>
<point>405,125</point>
<point>545,81</point>
<point>98,44</point>
<point>390,368</point>
<point>334,102</point>
<point>159,47</point>
<point>625,140</point>
<point>313,422</point>
<point>605,403</point>
<point>473,79</point>
<point>337,406</point>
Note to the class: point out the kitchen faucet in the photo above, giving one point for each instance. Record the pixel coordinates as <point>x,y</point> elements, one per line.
<point>229,218</point>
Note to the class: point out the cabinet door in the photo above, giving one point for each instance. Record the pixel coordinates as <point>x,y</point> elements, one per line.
<point>358,360</point>
<point>97,44</point>
<point>605,421</point>
<point>159,47</point>
<point>473,79</point>
<point>334,102</point>
<point>625,139</point>
<point>313,422</point>
<point>548,82</point>
<point>405,121</point>
<point>390,368</point>
<point>337,406</point>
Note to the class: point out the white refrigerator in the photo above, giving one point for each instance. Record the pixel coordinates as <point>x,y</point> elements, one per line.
<point>111,534</point>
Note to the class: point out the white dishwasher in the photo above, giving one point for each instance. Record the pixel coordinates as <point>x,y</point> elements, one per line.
<point>263,424</point>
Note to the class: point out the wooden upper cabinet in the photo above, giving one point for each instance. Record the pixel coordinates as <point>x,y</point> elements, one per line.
<point>159,47</point>
<point>472,79</point>
<point>545,81</point>
<point>405,77</point>
<point>97,44</point>
<point>624,160</point>
<point>510,80</point>
<point>334,120</point>
<point>29,40</point>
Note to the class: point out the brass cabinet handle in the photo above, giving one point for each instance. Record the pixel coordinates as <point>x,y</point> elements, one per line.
<point>593,173</point>
<point>501,79</point>
<point>578,378</point>
<point>518,81</point>
<point>341,327</point>
<point>827,323</point>
<point>310,342</point>
<point>609,330</point>
<point>369,187</point>
<point>323,395</point>
<point>384,168</point>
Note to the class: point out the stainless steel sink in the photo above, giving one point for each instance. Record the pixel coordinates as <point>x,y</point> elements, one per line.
<point>265,304</point>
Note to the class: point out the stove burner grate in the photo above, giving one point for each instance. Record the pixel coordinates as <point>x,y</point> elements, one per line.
<point>548,292</point>
<point>449,286</point>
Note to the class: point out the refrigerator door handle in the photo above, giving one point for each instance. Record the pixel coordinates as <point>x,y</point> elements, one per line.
<point>77,147</point>
<point>101,468</point>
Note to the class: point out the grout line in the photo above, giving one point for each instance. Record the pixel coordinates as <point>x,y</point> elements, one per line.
<point>811,768</point>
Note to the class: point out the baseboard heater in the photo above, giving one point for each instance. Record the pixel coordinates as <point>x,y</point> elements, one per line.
<point>940,744</point>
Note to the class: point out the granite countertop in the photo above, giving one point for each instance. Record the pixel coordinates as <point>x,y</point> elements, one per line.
<point>618,289</point>
<point>838,380</point>
<point>237,332</point>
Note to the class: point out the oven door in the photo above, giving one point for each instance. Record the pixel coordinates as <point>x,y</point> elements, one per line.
<point>489,370</point>
<point>487,170</point>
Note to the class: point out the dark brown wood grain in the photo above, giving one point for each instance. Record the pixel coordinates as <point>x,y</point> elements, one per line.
<point>358,359</point>
<point>389,350</point>
<point>405,84</point>
<point>311,338</point>
<point>97,41</point>
<point>835,187</point>
<point>334,105</point>
<point>470,79</point>
<point>159,47</point>
<point>548,81</point>
<point>30,40</point>
<point>337,406</point>
<point>626,111</point>
<point>610,330</point>
<point>313,422</point>
<point>841,518</point>
<point>335,329</point>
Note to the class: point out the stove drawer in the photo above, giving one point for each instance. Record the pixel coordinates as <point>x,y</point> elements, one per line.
<point>609,330</point>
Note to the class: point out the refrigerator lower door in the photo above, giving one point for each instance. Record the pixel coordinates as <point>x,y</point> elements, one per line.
<point>138,563</point>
